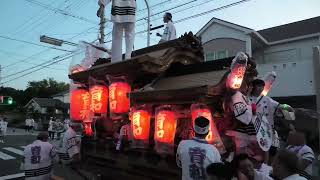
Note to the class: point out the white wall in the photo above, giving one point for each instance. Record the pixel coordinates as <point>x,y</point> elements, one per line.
<point>64,98</point>
<point>216,31</point>
<point>296,51</point>
<point>293,79</point>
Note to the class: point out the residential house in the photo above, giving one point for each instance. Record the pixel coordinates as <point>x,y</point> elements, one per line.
<point>63,96</point>
<point>291,50</point>
<point>46,107</point>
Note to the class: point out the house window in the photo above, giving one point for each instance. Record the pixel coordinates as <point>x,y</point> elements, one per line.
<point>210,56</point>
<point>222,54</point>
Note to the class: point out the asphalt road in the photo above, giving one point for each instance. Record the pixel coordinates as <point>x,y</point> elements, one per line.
<point>11,156</point>
<point>11,153</point>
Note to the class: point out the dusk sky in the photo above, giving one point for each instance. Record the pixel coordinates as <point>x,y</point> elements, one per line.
<point>26,20</point>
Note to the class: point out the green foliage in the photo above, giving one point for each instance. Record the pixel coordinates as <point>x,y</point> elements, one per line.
<point>42,89</point>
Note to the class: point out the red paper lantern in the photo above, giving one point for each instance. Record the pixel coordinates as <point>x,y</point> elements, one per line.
<point>99,99</point>
<point>165,126</point>
<point>119,101</point>
<point>140,125</point>
<point>88,129</point>
<point>202,110</point>
<point>79,104</point>
<point>238,69</point>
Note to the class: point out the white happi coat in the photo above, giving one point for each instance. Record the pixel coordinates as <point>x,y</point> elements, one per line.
<point>194,156</point>
<point>38,160</point>
<point>267,107</point>
<point>123,17</point>
<point>70,146</point>
<point>245,132</point>
<point>169,32</point>
<point>122,11</point>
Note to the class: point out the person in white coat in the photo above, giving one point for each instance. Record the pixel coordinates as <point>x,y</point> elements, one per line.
<point>70,146</point>
<point>38,159</point>
<point>125,136</point>
<point>169,32</point>
<point>3,129</point>
<point>51,128</point>
<point>123,17</point>
<point>195,155</point>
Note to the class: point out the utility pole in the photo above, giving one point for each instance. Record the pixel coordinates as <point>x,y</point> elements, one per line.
<point>148,35</point>
<point>102,24</point>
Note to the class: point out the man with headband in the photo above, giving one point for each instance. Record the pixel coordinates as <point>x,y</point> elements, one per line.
<point>195,155</point>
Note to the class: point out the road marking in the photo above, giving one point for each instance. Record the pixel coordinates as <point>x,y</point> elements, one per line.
<point>19,175</point>
<point>5,156</point>
<point>14,150</point>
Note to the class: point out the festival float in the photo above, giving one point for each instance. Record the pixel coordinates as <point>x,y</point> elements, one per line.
<point>162,88</point>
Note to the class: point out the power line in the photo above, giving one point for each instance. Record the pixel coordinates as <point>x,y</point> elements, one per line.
<point>199,14</point>
<point>65,58</point>
<point>181,20</point>
<point>211,11</point>
<point>26,59</point>
<point>175,12</point>
<point>33,67</point>
<point>61,11</point>
<point>35,44</point>
<point>155,5</point>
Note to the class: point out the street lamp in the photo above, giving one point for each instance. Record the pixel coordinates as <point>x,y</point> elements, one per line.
<point>54,41</point>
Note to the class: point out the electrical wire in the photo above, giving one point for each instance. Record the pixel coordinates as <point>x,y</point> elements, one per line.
<point>60,11</point>
<point>32,43</point>
<point>41,52</point>
<point>23,75</point>
<point>180,20</point>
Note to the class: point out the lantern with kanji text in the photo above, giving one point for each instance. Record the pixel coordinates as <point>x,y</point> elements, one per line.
<point>99,99</point>
<point>238,69</point>
<point>79,104</point>
<point>140,125</point>
<point>118,94</point>
<point>165,129</point>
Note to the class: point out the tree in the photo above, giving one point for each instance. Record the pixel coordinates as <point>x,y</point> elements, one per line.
<point>44,88</point>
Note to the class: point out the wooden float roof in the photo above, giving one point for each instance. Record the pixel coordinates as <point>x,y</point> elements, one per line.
<point>147,62</point>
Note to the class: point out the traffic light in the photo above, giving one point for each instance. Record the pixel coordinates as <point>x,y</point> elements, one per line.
<point>6,100</point>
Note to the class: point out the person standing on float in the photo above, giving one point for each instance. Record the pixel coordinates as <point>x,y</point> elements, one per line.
<point>123,17</point>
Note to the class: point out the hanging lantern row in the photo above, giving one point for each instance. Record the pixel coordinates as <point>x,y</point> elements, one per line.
<point>96,100</point>
<point>165,127</point>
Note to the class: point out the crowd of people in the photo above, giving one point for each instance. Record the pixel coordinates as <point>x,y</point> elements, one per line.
<point>57,126</point>
<point>40,156</point>
<point>247,159</point>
